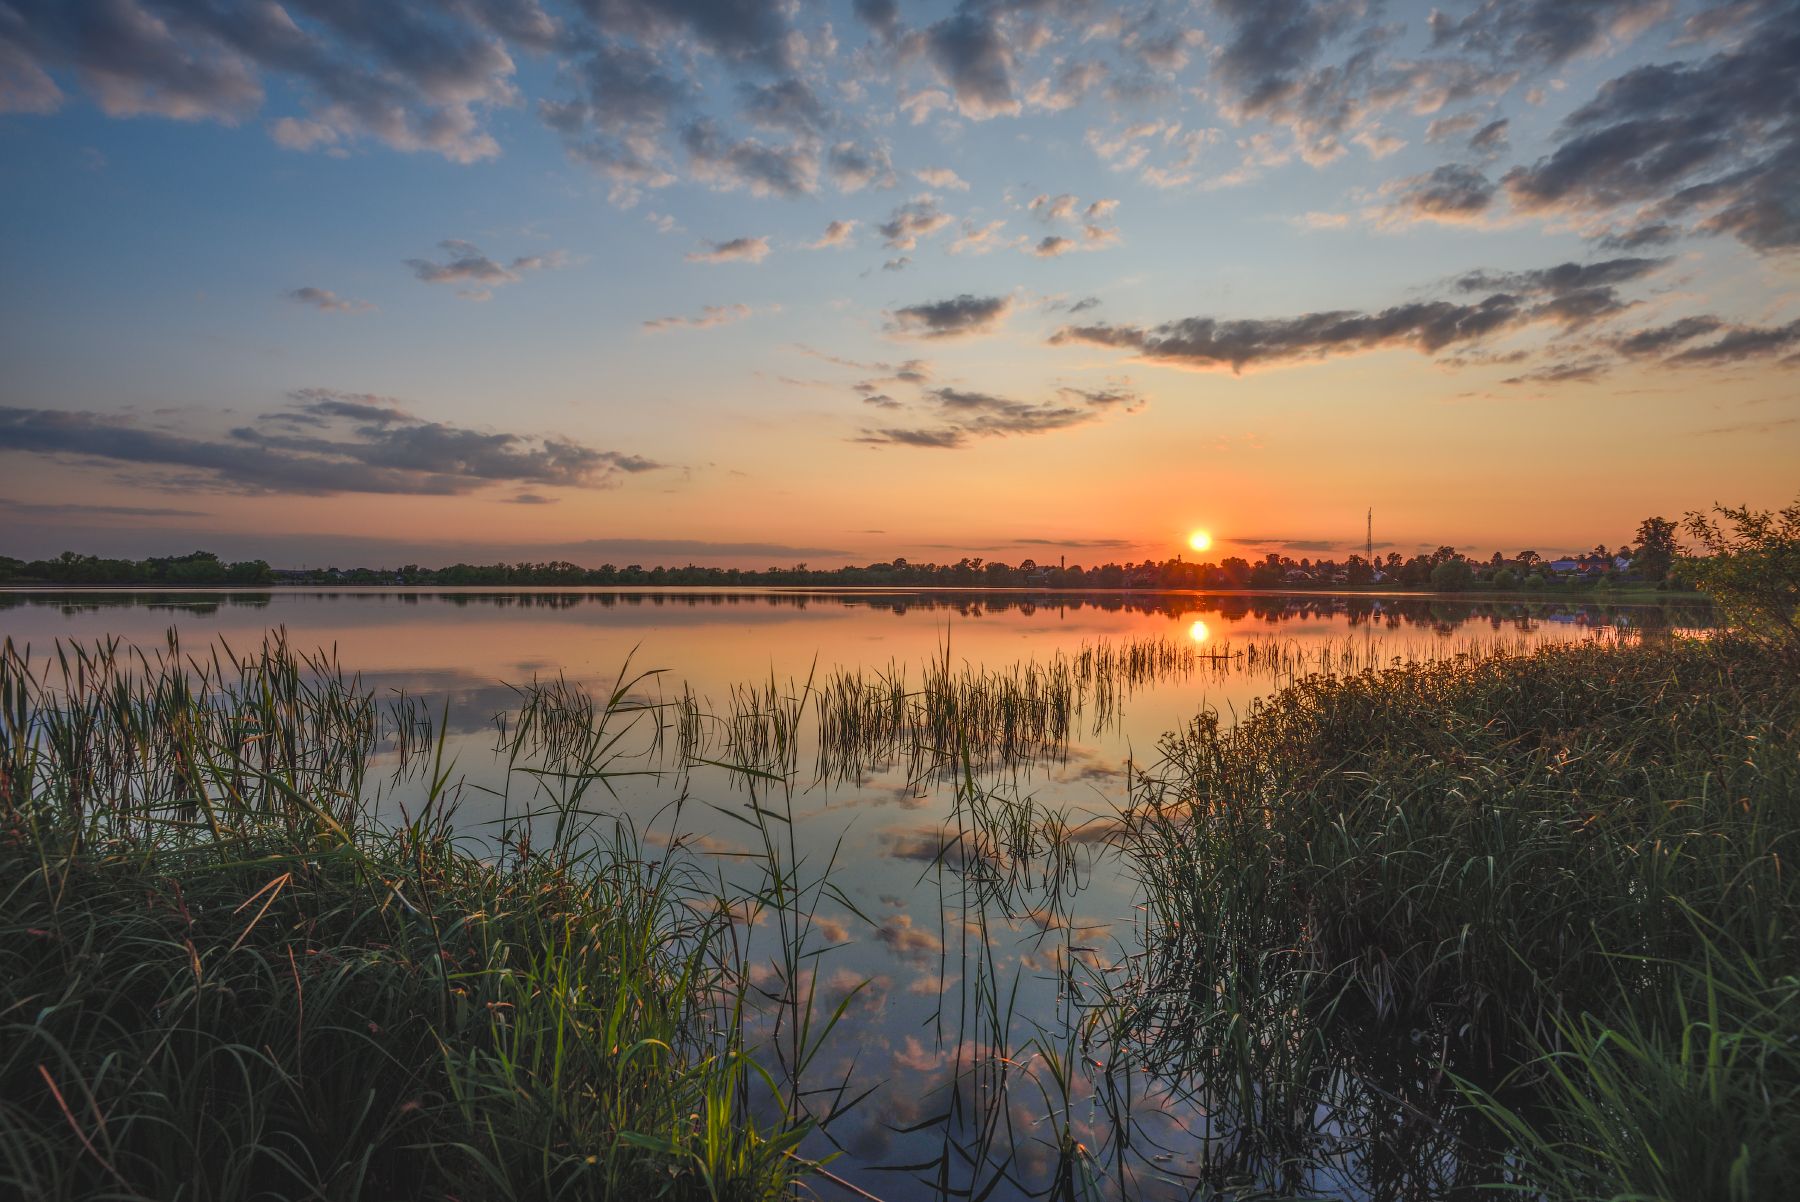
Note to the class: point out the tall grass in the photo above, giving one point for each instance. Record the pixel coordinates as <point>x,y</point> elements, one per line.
<point>222,976</point>
<point>1567,873</point>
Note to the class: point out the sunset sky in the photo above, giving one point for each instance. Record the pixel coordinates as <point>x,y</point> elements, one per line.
<point>766,281</point>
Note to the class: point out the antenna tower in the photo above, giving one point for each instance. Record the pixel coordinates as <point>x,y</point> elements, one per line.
<point>1369,548</point>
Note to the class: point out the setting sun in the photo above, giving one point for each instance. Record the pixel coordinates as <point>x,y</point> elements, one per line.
<point>1200,540</point>
<point>1198,631</point>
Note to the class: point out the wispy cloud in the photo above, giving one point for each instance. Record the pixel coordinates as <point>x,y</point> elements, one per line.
<point>733,250</point>
<point>326,300</point>
<point>465,264</point>
<point>708,317</point>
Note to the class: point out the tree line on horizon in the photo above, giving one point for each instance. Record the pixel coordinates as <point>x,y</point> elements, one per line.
<point>1651,559</point>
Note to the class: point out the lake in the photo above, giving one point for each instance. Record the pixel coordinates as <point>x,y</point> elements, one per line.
<point>963,903</point>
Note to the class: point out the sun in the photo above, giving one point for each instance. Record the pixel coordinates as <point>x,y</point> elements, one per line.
<point>1200,540</point>
<point>1198,631</point>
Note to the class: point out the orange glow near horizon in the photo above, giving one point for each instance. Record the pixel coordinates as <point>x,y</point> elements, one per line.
<point>1200,540</point>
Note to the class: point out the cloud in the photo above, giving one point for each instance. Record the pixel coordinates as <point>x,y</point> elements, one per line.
<point>1658,340</point>
<point>733,250</point>
<point>327,301</point>
<point>1542,32</point>
<point>414,78</point>
<point>1052,245</point>
<point>1054,208</point>
<point>838,233</point>
<point>959,317</point>
<point>917,218</point>
<point>942,177</point>
<point>1742,342</point>
<point>1067,87</point>
<point>979,239</point>
<point>325,443</point>
<point>709,316</point>
<point>855,167</point>
<point>962,415</point>
<point>37,509</point>
<point>1073,543</point>
<point>752,32</point>
<point>758,167</point>
<point>1579,371</point>
<point>787,104</point>
<point>1712,142</point>
<point>1451,193</point>
<point>1490,138</point>
<point>465,264</point>
<point>882,16</point>
<point>1569,295</point>
<point>973,59</point>
<point>532,498</point>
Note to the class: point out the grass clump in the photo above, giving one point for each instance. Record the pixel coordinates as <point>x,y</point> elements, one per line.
<point>222,977</point>
<point>1567,874</point>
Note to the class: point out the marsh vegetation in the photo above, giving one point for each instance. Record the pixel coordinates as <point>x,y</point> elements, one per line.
<point>1411,925</point>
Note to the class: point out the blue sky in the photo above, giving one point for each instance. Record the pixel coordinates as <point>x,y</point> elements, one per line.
<point>431,278</point>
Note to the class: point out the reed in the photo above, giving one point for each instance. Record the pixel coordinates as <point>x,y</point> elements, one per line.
<point>224,975</point>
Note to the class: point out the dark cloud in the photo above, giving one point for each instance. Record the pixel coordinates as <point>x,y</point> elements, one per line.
<point>855,167</point>
<point>755,32</point>
<point>1567,371</point>
<point>1743,342</point>
<point>1562,278</point>
<point>1449,193</point>
<point>963,415</point>
<point>465,264</point>
<point>1657,233</point>
<point>341,444</point>
<point>972,57</point>
<point>917,218</point>
<point>882,16</point>
<point>1490,138</point>
<point>1713,142</point>
<point>1658,340</point>
<point>958,317</point>
<point>786,104</point>
<point>758,167</point>
<point>328,301</point>
<point>732,250</point>
<point>1540,32</point>
<point>1569,295</point>
<point>414,77</point>
<point>532,498</point>
<point>1272,45</point>
<point>1052,245</point>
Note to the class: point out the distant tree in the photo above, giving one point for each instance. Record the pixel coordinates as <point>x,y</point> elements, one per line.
<point>1452,576</point>
<point>1657,548</point>
<point>1528,559</point>
<point>1506,578</point>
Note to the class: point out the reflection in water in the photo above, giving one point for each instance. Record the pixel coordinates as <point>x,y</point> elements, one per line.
<point>961,763</point>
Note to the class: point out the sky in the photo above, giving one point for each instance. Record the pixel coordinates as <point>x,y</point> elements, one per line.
<point>754,282</point>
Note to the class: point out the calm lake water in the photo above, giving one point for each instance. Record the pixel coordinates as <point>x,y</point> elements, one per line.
<point>971,961</point>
